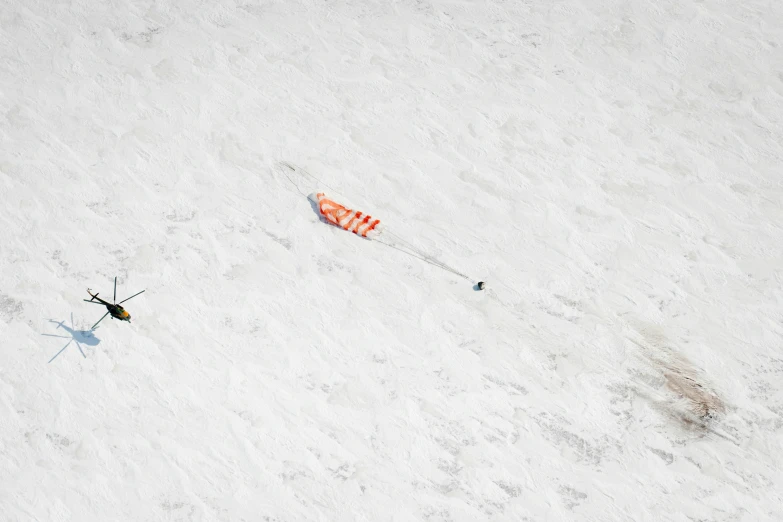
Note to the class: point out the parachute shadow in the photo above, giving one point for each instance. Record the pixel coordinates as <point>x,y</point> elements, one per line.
<point>317,210</point>
<point>86,337</point>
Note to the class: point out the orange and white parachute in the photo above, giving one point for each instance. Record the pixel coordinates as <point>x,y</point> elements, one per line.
<point>351,220</point>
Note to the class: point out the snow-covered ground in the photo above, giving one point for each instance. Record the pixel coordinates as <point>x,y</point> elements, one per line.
<point>612,169</point>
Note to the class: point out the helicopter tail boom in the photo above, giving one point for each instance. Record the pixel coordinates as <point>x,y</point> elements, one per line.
<point>94,298</point>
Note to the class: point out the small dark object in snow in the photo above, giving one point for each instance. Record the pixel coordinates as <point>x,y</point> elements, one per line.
<point>480,285</point>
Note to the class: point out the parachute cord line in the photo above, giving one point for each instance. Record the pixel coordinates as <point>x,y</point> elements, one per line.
<point>300,170</point>
<point>430,259</point>
<point>425,258</point>
<point>290,180</point>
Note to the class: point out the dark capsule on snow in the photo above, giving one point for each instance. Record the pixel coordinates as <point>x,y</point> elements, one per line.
<point>481,285</point>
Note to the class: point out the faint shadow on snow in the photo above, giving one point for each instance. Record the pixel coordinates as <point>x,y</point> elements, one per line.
<point>314,205</point>
<point>79,336</point>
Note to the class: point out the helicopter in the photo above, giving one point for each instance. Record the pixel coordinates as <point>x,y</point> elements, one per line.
<point>114,308</point>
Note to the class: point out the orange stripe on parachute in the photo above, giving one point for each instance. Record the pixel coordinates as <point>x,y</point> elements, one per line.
<point>346,218</point>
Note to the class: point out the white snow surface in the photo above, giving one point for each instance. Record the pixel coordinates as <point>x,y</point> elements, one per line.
<point>611,168</point>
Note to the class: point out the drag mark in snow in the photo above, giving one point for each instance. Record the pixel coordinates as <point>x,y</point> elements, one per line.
<point>693,404</point>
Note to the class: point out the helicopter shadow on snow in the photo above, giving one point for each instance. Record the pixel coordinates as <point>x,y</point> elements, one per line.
<point>80,337</point>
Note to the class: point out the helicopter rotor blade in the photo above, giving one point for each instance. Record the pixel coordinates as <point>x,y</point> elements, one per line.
<point>131,297</point>
<point>61,350</point>
<point>114,300</point>
<point>99,320</point>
